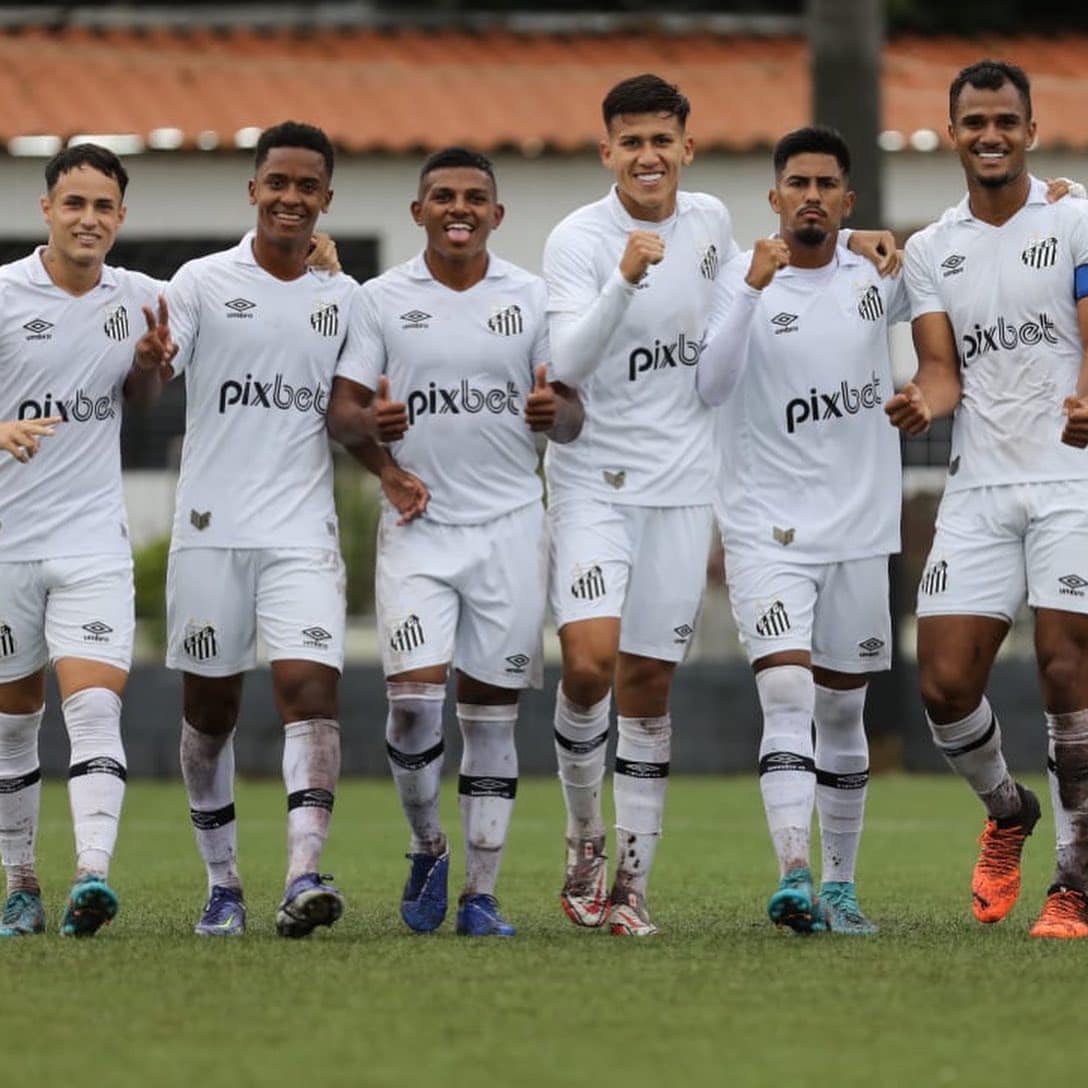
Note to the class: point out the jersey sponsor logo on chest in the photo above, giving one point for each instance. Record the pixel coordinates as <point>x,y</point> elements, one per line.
<point>845,400</point>
<point>276,393</point>
<point>438,401</point>
<point>683,351</point>
<point>80,407</point>
<point>1007,335</point>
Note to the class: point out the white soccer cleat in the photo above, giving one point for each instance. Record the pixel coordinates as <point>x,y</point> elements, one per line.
<point>583,896</point>
<point>628,915</point>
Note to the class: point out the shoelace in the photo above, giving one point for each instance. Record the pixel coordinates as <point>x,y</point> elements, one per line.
<point>1001,848</point>
<point>14,907</point>
<point>1065,906</point>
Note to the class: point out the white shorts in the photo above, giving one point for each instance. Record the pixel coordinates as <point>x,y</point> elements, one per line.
<point>839,612</point>
<point>219,599</point>
<point>79,606</point>
<point>645,565</point>
<point>995,545</point>
<point>472,595</point>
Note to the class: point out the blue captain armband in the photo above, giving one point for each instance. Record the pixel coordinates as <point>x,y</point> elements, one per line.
<point>1080,282</point>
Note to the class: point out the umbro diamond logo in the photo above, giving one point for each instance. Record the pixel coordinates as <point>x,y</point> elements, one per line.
<point>516,663</point>
<point>7,641</point>
<point>240,307</point>
<point>316,637</point>
<point>935,579</point>
<point>871,305</point>
<point>708,266</point>
<point>774,622</point>
<point>1073,585</point>
<point>39,329</point>
<point>683,633</point>
<point>325,320</point>
<point>1042,254</point>
<point>953,265</point>
<point>870,647</point>
<point>507,322</point>
<point>97,631</point>
<point>116,326</point>
<point>415,319</point>
<point>784,322</point>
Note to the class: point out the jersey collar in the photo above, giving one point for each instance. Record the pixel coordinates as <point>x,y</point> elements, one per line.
<point>417,268</point>
<point>844,258</point>
<point>37,275</point>
<point>627,221</point>
<point>1036,195</point>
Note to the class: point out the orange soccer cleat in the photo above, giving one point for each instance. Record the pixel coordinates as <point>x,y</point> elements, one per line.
<point>1064,914</point>
<point>995,884</point>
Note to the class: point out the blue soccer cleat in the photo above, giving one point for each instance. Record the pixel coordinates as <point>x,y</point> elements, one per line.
<point>423,902</point>
<point>309,901</point>
<point>23,915</point>
<point>478,916</point>
<point>839,912</point>
<point>794,904</point>
<point>224,914</point>
<point>92,904</point>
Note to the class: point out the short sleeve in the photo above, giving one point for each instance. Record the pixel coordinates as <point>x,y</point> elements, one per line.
<point>918,272</point>
<point>363,357</point>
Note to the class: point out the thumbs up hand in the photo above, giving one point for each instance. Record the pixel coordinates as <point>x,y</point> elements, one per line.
<point>390,416</point>
<point>908,410</point>
<point>541,405</point>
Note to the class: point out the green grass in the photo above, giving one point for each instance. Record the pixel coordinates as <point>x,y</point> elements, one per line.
<point>719,998</point>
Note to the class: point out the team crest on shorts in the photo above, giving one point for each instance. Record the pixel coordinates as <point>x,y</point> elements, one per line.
<point>588,583</point>
<point>7,640</point>
<point>774,621</point>
<point>200,642</point>
<point>935,579</point>
<point>406,634</point>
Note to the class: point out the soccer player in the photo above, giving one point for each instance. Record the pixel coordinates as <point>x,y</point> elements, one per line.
<point>632,280</point>
<point>808,502</point>
<point>998,290</point>
<point>70,351</point>
<point>255,545</point>
<point>458,337</point>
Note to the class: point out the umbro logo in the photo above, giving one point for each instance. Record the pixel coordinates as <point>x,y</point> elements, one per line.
<point>1041,254</point>
<point>784,322</point>
<point>240,307</point>
<point>97,631</point>
<point>415,319</point>
<point>953,265</point>
<point>516,663</point>
<point>870,647</point>
<point>316,637</point>
<point>39,329</point>
<point>683,633</point>
<point>1073,585</point>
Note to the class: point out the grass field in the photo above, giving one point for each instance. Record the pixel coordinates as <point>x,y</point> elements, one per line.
<point>719,998</point>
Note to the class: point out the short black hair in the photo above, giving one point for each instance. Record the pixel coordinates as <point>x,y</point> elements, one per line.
<point>93,155</point>
<point>457,156</point>
<point>646,93</point>
<point>295,134</point>
<point>989,75</point>
<point>818,139</point>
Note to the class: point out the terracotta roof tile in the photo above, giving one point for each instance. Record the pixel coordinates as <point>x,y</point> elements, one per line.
<point>406,90</point>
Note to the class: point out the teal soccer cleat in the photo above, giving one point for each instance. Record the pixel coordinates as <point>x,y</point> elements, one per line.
<point>92,904</point>
<point>839,911</point>
<point>794,904</point>
<point>23,915</point>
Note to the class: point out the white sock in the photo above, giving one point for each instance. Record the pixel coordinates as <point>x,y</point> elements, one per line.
<point>311,768</point>
<point>972,747</point>
<point>414,745</point>
<point>1067,775</point>
<point>20,795</point>
<point>96,776</point>
<point>787,770</point>
<point>643,750</point>
<point>581,735</point>
<point>842,777</point>
<point>487,788</point>
<point>207,765</point>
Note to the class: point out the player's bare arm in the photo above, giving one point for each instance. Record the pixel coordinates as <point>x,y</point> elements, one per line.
<point>20,437</point>
<point>553,408</point>
<point>935,389</point>
<point>1075,431</point>
<point>878,247</point>
<point>357,414</point>
<point>151,360</point>
<point>644,248</point>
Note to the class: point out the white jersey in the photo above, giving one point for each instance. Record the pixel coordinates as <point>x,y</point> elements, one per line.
<point>259,356</point>
<point>647,438</point>
<point>1008,293</point>
<point>68,356</point>
<point>810,468</point>
<point>462,362</point>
